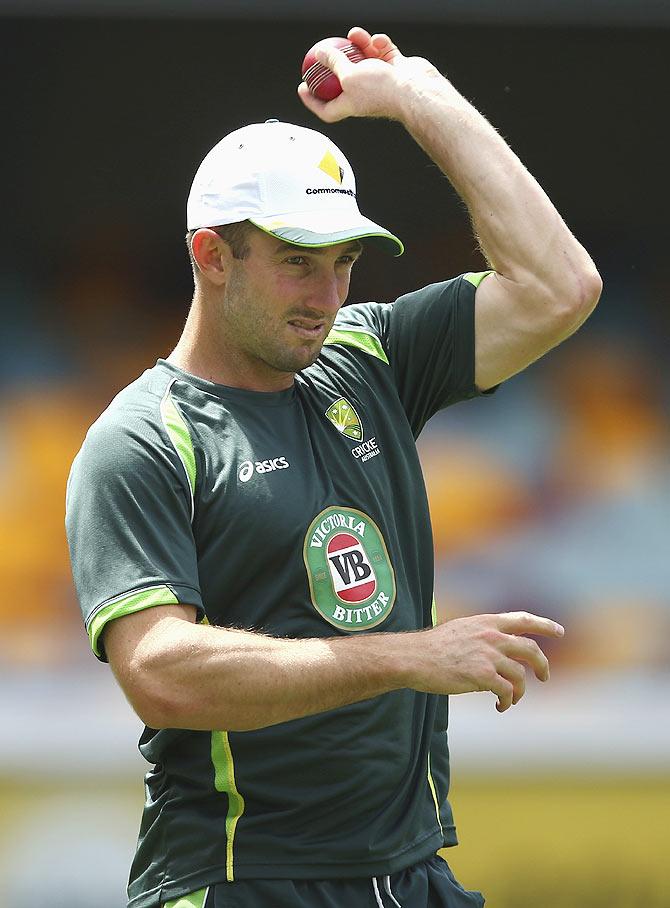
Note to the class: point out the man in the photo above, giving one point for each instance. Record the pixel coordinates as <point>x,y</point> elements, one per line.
<point>249,528</point>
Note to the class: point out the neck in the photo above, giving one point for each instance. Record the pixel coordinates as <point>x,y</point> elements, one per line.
<point>202,351</point>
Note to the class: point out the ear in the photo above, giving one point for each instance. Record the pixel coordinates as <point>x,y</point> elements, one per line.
<point>212,255</point>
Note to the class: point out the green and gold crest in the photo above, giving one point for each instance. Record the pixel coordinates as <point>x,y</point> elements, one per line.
<point>344,417</point>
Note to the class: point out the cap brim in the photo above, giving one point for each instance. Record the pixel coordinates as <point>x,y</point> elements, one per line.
<point>303,229</point>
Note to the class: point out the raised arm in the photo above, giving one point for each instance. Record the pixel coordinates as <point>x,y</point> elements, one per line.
<point>179,674</point>
<point>544,283</point>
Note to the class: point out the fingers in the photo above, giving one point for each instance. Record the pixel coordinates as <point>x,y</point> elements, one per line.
<point>309,100</point>
<point>335,59</point>
<point>514,678</point>
<point>385,48</point>
<point>525,623</point>
<point>328,111</point>
<point>379,46</point>
<point>504,691</point>
<point>483,653</point>
<point>369,87</point>
<point>363,39</point>
<point>510,682</point>
<point>522,649</point>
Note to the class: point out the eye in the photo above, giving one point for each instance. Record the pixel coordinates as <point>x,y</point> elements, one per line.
<point>296,260</point>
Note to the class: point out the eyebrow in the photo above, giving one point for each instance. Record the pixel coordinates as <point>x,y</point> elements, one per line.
<point>356,246</point>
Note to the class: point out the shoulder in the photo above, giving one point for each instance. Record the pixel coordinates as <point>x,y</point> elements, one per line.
<point>135,430</point>
<point>362,327</point>
<point>134,412</point>
<point>369,326</point>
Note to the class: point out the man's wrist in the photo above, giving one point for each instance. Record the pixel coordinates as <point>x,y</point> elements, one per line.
<point>397,662</point>
<point>420,96</point>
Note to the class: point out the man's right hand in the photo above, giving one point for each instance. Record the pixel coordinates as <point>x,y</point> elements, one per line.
<point>485,652</point>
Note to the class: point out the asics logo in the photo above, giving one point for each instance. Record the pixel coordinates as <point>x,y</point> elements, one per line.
<point>249,467</point>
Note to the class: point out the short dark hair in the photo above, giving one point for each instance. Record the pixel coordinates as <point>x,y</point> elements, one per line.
<point>236,235</point>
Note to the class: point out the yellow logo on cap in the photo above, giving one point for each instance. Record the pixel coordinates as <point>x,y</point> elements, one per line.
<point>330,166</point>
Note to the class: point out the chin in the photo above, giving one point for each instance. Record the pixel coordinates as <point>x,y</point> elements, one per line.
<point>297,360</point>
<point>303,363</point>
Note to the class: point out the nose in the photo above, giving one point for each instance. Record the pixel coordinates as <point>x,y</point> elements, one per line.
<point>328,291</point>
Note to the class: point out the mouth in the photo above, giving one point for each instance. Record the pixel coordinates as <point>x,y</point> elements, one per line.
<point>308,328</point>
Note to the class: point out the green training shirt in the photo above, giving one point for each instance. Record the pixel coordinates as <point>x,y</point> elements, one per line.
<point>298,513</point>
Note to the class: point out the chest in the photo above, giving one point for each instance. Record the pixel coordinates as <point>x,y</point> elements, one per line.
<point>268,471</point>
<point>314,504</point>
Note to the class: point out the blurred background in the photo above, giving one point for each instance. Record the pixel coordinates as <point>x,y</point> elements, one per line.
<point>552,496</point>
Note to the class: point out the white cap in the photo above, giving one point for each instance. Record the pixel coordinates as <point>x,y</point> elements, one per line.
<point>289,181</point>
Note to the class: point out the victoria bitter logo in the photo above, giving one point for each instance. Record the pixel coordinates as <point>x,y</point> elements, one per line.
<point>351,579</point>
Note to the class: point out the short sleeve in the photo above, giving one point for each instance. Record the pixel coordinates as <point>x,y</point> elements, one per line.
<point>427,337</point>
<point>431,342</point>
<point>128,523</point>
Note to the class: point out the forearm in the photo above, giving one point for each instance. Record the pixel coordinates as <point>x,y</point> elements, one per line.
<point>520,231</point>
<point>522,235</point>
<point>178,674</point>
<point>207,677</point>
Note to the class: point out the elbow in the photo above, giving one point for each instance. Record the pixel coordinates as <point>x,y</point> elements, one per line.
<point>164,698</point>
<point>161,711</point>
<point>590,287</point>
<point>156,695</point>
<point>154,705</point>
<point>572,303</point>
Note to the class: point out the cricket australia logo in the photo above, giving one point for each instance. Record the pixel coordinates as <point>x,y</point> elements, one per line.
<point>345,419</point>
<point>351,579</point>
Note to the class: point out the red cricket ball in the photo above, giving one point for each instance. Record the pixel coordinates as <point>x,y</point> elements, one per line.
<point>321,81</point>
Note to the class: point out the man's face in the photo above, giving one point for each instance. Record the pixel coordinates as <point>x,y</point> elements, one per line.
<point>280,302</point>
